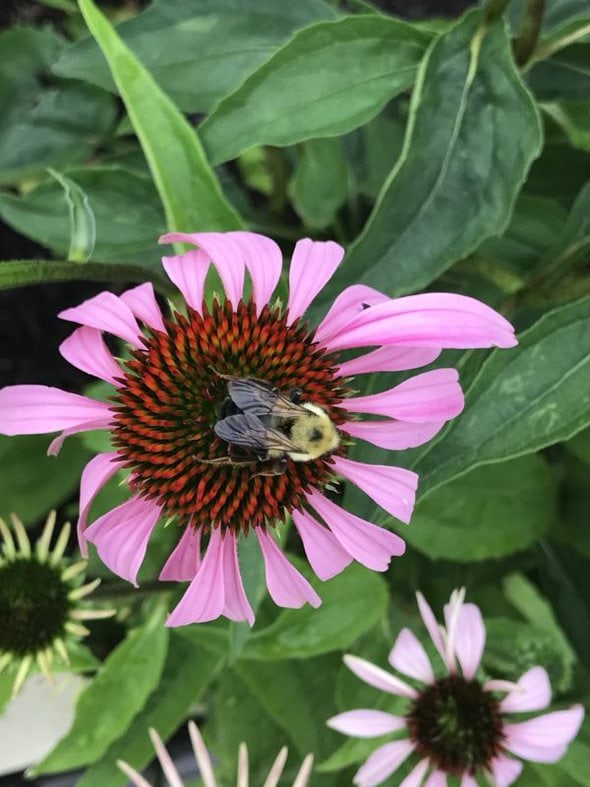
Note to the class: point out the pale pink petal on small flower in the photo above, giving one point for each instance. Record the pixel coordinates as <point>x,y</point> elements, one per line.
<point>189,273</point>
<point>468,781</point>
<point>204,599</point>
<point>382,763</point>
<point>287,586</point>
<point>313,264</point>
<point>393,435</point>
<point>366,723</point>
<point>451,611</point>
<point>86,350</point>
<point>351,301</point>
<point>499,685</point>
<point>544,738</point>
<point>389,359</point>
<point>121,536</point>
<point>237,607</point>
<point>430,396</point>
<point>532,692</point>
<point>409,657</point>
<point>469,639</point>
<point>416,775</point>
<point>431,625</point>
<point>107,312</point>
<point>436,779</point>
<point>168,767</point>
<point>264,262</point>
<point>392,488</point>
<point>40,409</point>
<point>185,559</point>
<point>95,475</point>
<point>369,544</point>
<point>324,553</point>
<point>379,678</point>
<point>505,771</point>
<point>142,302</point>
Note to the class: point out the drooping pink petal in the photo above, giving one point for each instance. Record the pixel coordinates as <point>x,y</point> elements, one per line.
<point>313,264</point>
<point>237,607</point>
<point>347,305</point>
<point>142,302</point>
<point>442,320</point>
<point>56,444</point>
<point>107,312</point>
<point>189,273</point>
<point>185,559</point>
<point>431,625</point>
<point>393,435</point>
<point>531,692</point>
<point>379,678</point>
<point>121,536</point>
<point>469,639</point>
<point>382,763</point>
<point>204,599</point>
<point>505,771</point>
<point>95,475</point>
<point>86,350</point>
<point>324,553</point>
<point>40,409</point>
<point>468,781</point>
<point>409,657</point>
<point>436,779</point>
<point>430,396</point>
<point>287,587</point>
<point>416,775</point>
<point>366,723</point>
<point>369,544</point>
<point>389,359</point>
<point>264,262</point>
<point>544,738</point>
<point>392,488</point>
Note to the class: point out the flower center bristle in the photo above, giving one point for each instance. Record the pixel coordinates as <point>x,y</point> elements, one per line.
<point>456,724</point>
<point>172,397</point>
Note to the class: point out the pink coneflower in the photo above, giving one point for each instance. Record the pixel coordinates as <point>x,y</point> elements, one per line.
<point>456,724</point>
<point>169,398</point>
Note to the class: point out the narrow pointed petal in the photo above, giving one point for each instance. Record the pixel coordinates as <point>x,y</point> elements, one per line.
<point>277,768</point>
<point>86,350</point>
<point>324,553</point>
<point>468,781</point>
<point>430,396</point>
<point>409,657</point>
<point>379,678</point>
<point>313,264</point>
<point>142,302</point>
<point>264,262</point>
<point>369,544</point>
<point>107,312</point>
<point>505,771</point>
<point>389,359</point>
<point>393,435</point>
<point>121,536</point>
<point>469,639</point>
<point>416,775</point>
<point>40,409</point>
<point>168,767</point>
<point>351,301</point>
<point>56,444</point>
<point>237,607</point>
<point>431,625</point>
<point>436,779</point>
<point>545,738</point>
<point>366,723</point>
<point>185,560</point>
<point>304,773</point>
<point>95,475</point>
<point>531,692</point>
<point>202,756</point>
<point>287,587</point>
<point>205,598</point>
<point>189,273</point>
<point>392,488</point>
<point>382,763</point>
<point>136,778</point>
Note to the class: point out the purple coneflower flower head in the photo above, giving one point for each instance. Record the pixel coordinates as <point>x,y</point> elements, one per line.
<point>205,765</point>
<point>456,724</point>
<point>232,415</point>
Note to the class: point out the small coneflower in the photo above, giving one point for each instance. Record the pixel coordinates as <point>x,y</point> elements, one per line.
<point>42,600</point>
<point>456,724</point>
<point>206,768</point>
<point>222,481</point>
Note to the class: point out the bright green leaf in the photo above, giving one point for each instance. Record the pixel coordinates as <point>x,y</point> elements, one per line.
<point>82,221</point>
<point>320,184</point>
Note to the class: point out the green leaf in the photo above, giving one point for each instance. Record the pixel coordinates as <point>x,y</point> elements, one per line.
<point>320,184</point>
<point>461,168</point>
<point>575,762</point>
<point>116,695</point>
<point>187,185</point>
<point>522,399</point>
<point>573,117</point>
<point>19,273</point>
<point>565,76</point>
<point>82,221</point>
<point>580,446</point>
<point>573,242</point>
<point>339,74</point>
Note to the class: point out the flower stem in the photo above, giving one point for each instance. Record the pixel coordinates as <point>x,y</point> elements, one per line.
<point>494,9</point>
<point>532,21</point>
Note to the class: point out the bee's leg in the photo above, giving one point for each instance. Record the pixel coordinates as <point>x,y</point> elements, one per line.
<point>278,467</point>
<point>295,395</point>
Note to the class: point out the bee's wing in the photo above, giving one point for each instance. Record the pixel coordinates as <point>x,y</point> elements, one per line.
<point>252,396</point>
<point>248,430</point>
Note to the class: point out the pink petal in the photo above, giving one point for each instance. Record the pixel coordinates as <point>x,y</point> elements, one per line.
<point>505,771</point>
<point>185,560</point>
<point>325,555</point>
<point>389,359</point>
<point>431,625</point>
<point>382,763</point>
<point>264,262</point>
<point>468,781</point>
<point>416,775</point>
<point>347,305</point>
<point>452,611</point>
<point>409,657</point>
<point>237,607</point>
<point>39,409</point>
<point>436,779</point>
<point>545,738</point>
<point>189,272</point>
<point>430,396</point>
<point>369,544</point>
<point>287,587</point>
<point>56,444</point>
<point>366,723</point>
<point>469,639</point>
<point>107,312</point>
<point>313,264</point>
<point>392,488</point>
<point>121,536</point>
<point>379,678</point>
<point>432,319</point>
<point>205,598</point>
<point>393,435</point>
<point>532,692</point>
<point>86,350</point>
<point>142,302</point>
<point>95,475</point>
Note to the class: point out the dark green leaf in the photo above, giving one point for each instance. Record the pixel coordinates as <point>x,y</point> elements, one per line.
<point>573,242</point>
<point>18,273</point>
<point>320,183</point>
<point>565,75</point>
<point>573,117</point>
<point>580,446</point>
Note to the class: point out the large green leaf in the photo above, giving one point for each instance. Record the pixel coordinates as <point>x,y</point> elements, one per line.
<point>472,134</point>
<point>19,273</point>
<point>187,185</point>
<point>320,183</point>
<point>328,79</point>
<point>565,75</point>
